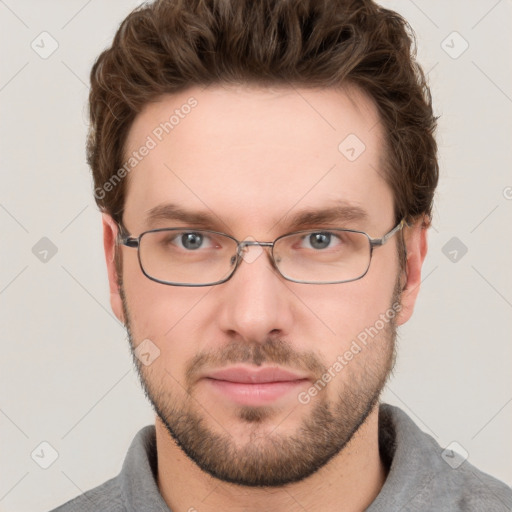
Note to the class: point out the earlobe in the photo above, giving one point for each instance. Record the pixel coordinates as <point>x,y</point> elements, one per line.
<point>416,247</point>
<point>110,230</point>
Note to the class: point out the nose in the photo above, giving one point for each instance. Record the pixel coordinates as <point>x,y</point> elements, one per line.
<point>255,302</point>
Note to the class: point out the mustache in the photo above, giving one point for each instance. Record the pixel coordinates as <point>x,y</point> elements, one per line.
<point>273,351</point>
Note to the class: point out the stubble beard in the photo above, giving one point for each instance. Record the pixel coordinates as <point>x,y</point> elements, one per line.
<point>267,458</point>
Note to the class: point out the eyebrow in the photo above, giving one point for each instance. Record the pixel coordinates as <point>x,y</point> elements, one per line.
<point>339,213</point>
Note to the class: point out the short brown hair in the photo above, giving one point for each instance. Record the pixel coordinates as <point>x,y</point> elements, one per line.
<point>168,46</point>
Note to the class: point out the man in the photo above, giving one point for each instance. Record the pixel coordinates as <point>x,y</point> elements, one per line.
<point>266,172</point>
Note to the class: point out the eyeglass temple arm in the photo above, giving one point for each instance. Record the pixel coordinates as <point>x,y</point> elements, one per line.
<point>387,236</point>
<point>124,238</point>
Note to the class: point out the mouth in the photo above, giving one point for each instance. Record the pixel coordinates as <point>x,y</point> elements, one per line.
<point>249,386</point>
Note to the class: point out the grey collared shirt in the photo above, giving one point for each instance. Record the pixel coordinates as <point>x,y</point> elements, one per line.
<point>422,476</point>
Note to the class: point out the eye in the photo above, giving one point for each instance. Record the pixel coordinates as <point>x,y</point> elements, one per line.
<point>192,241</point>
<point>320,240</point>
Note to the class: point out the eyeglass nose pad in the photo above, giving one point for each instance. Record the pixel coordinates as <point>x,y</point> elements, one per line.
<point>250,256</point>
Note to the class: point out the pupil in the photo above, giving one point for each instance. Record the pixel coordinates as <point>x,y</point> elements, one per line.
<point>320,240</point>
<point>191,240</point>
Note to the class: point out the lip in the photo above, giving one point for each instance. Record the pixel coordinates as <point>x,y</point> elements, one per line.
<point>249,375</point>
<point>254,387</point>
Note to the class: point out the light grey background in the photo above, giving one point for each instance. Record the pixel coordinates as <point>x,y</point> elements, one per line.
<point>66,375</point>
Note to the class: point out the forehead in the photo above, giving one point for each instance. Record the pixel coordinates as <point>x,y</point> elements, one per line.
<point>254,155</point>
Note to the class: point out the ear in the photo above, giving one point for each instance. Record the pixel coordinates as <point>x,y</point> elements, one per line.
<point>415,237</point>
<point>110,230</point>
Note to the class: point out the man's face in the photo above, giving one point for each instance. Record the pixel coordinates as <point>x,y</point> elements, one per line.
<point>252,159</point>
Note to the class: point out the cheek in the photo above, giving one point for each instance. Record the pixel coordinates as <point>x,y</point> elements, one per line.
<point>153,307</point>
<point>162,312</point>
<point>166,315</point>
<point>344,310</point>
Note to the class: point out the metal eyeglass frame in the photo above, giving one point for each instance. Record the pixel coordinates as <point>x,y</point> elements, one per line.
<point>128,240</point>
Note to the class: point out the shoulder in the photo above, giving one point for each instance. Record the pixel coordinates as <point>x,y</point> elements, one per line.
<point>105,497</point>
<point>134,488</point>
<point>473,490</point>
<point>424,476</point>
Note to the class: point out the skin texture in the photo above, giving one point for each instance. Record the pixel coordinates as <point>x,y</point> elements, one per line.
<point>251,158</point>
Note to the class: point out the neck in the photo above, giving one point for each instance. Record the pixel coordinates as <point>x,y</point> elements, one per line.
<point>349,482</point>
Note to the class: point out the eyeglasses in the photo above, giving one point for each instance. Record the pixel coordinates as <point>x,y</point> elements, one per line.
<point>198,257</point>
